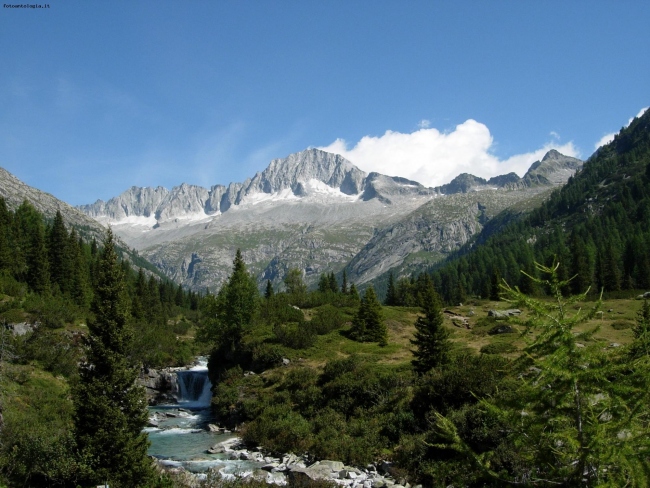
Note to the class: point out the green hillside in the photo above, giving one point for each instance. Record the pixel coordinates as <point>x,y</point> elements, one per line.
<point>597,225</point>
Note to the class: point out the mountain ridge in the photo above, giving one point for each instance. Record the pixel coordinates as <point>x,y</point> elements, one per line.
<point>294,173</point>
<point>316,211</point>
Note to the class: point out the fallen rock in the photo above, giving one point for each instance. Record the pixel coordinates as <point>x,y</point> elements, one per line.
<point>504,314</point>
<point>314,472</point>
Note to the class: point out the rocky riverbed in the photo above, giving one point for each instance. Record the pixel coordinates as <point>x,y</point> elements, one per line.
<point>280,470</point>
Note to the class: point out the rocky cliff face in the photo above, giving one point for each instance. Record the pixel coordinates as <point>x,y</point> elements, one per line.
<point>316,211</point>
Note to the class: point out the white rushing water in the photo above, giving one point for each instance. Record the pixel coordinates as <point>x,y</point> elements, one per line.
<point>181,438</point>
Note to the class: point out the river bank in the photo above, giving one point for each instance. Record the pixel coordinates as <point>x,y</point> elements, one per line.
<point>187,442</point>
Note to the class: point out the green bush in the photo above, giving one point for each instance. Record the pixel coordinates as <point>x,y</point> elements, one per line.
<point>181,327</point>
<point>498,348</point>
<point>266,356</point>
<point>9,286</point>
<point>463,381</point>
<point>337,367</point>
<point>279,429</point>
<point>295,335</point>
<point>52,311</point>
<point>327,319</point>
<point>622,324</point>
<point>12,316</point>
<point>55,351</point>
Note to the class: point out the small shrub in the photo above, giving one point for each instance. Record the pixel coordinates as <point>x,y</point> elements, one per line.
<point>327,319</point>
<point>266,356</point>
<point>622,324</point>
<point>12,316</point>
<point>279,429</point>
<point>181,327</point>
<point>9,286</point>
<point>295,335</point>
<point>498,348</point>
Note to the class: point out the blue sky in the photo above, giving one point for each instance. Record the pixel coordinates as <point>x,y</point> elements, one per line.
<point>98,96</point>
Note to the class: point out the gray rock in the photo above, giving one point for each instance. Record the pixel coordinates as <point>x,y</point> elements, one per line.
<point>334,465</point>
<point>317,472</point>
<point>502,314</point>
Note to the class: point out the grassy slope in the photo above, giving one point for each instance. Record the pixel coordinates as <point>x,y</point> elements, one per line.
<point>400,323</point>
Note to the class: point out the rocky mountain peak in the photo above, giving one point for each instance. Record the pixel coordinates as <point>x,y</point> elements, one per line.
<point>554,169</point>
<point>300,170</point>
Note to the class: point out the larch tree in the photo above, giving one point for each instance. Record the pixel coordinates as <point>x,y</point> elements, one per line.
<point>110,408</point>
<point>578,412</point>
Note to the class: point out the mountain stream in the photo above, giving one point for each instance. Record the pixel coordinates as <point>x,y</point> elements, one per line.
<point>179,433</point>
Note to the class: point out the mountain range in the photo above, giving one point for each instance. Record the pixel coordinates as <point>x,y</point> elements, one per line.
<point>317,211</point>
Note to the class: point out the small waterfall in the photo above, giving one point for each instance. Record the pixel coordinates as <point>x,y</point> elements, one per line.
<point>194,388</point>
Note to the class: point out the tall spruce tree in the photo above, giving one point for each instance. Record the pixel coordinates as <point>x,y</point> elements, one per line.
<point>392,298</point>
<point>268,292</point>
<point>333,285</point>
<point>344,283</point>
<point>110,409</point>
<point>229,315</point>
<point>59,254</point>
<point>431,339</point>
<point>38,276</point>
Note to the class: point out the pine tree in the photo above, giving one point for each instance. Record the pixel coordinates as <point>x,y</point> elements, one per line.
<point>35,249</point>
<point>392,299</point>
<point>495,283</point>
<point>179,297</point>
<point>7,249</point>
<point>110,409</point>
<point>79,279</point>
<point>579,265</point>
<point>354,294</point>
<point>431,339</point>
<point>59,254</point>
<point>140,296</point>
<point>368,324</point>
<point>333,286</point>
<point>344,283</point>
<point>323,283</point>
<point>268,292</point>
<point>641,344</point>
<point>233,311</point>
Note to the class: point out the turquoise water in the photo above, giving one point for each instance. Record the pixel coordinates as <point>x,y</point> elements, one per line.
<point>182,439</point>
<point>182,442</point>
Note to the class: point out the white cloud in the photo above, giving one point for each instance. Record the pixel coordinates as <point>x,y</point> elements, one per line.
<point>434,158</point>
<point>607,138</point>
<point>424,124</point>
